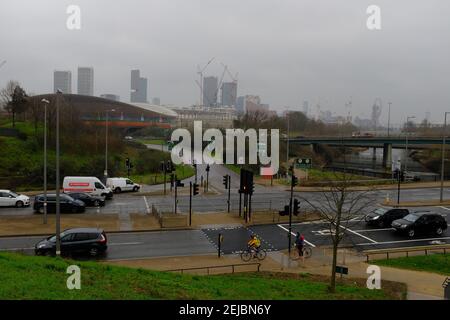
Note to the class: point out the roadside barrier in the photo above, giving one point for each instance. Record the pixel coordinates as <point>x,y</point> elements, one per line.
<point>208,268</point>
<point>390,251</point>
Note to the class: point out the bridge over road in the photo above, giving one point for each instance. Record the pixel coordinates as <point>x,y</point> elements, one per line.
<point>387,143</point>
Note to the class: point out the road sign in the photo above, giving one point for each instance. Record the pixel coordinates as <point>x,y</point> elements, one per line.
<point>342,270</point>
<point>304,163</point>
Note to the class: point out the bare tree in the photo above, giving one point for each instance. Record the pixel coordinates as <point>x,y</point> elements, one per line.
<point>338,205</point>
<point>14,99</point>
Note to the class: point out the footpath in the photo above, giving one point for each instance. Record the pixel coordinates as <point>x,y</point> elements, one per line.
<point>420,285</point>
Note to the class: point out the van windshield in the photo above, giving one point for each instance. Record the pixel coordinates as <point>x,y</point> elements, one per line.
<point>98,185</point>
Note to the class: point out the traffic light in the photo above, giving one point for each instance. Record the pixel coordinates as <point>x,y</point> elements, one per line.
<point>179,184</point>
<point>251,187</point>
<point>172,180</point>
<point>127,162</point>
<point>402,176</point>
<point>294,181</point>
<point>225,181</point>
<point>195,188</point>
<point>207,168</point>
<point>296,209</point>
<point>163,166</point>
<point>284,212</point>
<point>170,166</point>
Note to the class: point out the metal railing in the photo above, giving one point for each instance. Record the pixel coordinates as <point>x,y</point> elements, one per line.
<point>425,249</point>
<point>232,266</point>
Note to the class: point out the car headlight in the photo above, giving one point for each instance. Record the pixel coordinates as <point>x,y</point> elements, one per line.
<point>403,226</point>
<point>42,245</point>
<point>375,218</point>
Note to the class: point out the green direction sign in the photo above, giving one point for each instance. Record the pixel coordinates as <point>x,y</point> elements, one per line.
<point>304,163</point>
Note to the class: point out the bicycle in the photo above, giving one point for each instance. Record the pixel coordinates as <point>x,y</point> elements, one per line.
<point>249,253</point>
<point>307,252</point>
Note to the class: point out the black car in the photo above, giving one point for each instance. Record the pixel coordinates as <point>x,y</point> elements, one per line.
<point>421,223</point>
<point>89,200</point>
<point>382,217</point>
<point>75,241</point>
<point>67,204</point>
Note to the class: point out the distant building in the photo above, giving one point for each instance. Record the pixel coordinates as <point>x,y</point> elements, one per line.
<point>215,117</point>
<point>110,96</point>
<point>210,88</point>
<point>156,101</point>
<point>86,81</point>
<point>229,94</point>
<point>305,108</point>
<point>62,80</point>
<point>138,87</point>
<point>240,104</point>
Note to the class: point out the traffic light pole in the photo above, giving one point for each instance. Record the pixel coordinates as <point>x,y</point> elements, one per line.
<point>229,193</point>
<point>165,171</point>
<point>176,188</point>
<point>290,213</point>
<point>190,203</point>
<point>207,178</point>
<point>240,203</point>
<point>398,186</point>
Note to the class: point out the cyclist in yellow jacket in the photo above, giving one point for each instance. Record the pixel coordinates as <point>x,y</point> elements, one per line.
<point>254,244</point>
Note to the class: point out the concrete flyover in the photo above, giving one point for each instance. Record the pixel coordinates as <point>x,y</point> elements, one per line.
<point>387,143</point>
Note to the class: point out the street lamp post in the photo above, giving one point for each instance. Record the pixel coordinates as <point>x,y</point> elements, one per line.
<point>106,143</point>
<point>45,102</point>
<point>58,206</point>
<point>287,141</point>
<point>443,157</point>
<point>406,147</point>
<point>389,120</point>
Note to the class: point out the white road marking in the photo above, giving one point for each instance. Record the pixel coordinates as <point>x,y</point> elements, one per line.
<point>124,243</point>
<point>373,230</point>
<point>443,208</point>
<point>400,241</point>
<point>287,230</point>
<point>358,234</point>
<point>16,249</point>
<point>146,205</point>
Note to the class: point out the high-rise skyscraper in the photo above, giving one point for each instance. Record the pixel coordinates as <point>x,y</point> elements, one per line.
<point>62,80</point>
<point>138,87</point>
<point>240,104</point>
<point>229,94</point>
<point>86,81</point>
<point>210,85</point>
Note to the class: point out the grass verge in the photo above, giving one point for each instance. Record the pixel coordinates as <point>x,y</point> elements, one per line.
<point>26,277</point>
<point>182,172</point>
<point>437,263</point>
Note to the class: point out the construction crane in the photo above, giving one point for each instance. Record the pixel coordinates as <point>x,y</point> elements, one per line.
<point>200,71</point>
<point>2,63</point>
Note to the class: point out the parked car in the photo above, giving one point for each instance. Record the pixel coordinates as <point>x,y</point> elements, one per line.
<point>67,204</point>
<point>421,223</point>
<point>119,185</point>
<point>382,217</point>
<point>91,185</point>
<point>89,199</point>
<point>9,198</point>
<point>75,241</point>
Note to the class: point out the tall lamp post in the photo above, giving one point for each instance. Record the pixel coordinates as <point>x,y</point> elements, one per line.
<point>443,157</point>
<point>106,143</point>
<point>389,119</point>
<point>58,206</point>
<point>406,155</point>
<point>45,102</point>
<point>287,141</point>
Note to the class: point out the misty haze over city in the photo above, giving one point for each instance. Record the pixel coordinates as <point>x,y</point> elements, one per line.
<point>284,51</point>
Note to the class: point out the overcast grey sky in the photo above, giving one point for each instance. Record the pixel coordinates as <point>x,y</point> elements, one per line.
<point>286,51</point>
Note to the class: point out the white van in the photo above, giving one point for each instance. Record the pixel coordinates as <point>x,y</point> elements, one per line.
<point>119,185</point>
<point>91,185</point>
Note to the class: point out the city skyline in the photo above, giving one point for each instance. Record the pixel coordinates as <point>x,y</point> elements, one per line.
<point>327,55</point>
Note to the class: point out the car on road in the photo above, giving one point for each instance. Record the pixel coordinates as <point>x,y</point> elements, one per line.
<point>89,199</point>
<point>425,223</point>
<point>90,241</point>
<point>91,185</point>
<point>67,204</point>
<point>119,185</point>
<point>9,198</point>
<point>382,217</point>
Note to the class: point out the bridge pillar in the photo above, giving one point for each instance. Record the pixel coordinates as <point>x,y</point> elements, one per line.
<point>374,154</point>
<point>313,147</point>
<point>387,155</point>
